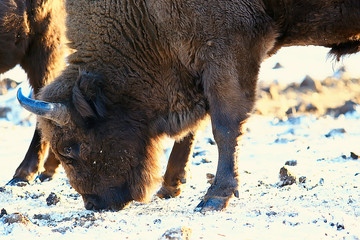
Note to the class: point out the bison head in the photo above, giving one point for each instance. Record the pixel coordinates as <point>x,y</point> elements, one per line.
<point>110,159</point>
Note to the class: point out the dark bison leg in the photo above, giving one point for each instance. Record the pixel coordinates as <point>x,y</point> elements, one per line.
<point>230,89</point>
<point>30,165</point>
<point>32,160</point>
<point>175,174</point>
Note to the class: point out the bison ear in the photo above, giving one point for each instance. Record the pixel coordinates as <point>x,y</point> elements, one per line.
<point>88,97</point>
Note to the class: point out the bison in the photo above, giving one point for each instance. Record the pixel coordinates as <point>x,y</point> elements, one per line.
<point>144,69</point>
<point>32,34</point>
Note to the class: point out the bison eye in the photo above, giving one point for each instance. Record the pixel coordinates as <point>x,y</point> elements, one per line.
<point>69,151</point>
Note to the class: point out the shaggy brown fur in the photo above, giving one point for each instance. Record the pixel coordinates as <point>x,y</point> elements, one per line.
<point>156,67</point>
<point>32,34</point>
<point>333,24</point>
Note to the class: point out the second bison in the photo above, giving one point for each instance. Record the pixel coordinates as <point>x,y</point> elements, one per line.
<point>32,34</point>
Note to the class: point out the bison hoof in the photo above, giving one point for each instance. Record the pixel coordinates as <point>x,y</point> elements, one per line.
<point>18,182</point>
<point>168,192</point>
<point>43,177</point>
<point>212,204</point>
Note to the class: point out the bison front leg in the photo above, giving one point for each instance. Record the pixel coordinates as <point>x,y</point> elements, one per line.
<point>33,160</point>
<point>175,175</point>
<point>31,163</point>
<point>230,92</point>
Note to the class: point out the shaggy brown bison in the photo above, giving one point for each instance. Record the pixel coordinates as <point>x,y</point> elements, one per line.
<point>144,69</point>
<point>32,34</point>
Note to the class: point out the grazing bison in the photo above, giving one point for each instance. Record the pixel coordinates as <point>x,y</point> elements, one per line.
<point>32,34</point>
<point>147,68</point>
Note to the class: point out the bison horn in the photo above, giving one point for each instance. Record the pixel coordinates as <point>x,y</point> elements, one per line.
<point>56,112</point>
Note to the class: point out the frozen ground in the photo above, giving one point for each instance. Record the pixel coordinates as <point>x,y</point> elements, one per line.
<point>325,205</point>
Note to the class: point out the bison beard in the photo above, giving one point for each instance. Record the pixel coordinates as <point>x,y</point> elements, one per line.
<point>155,68</point>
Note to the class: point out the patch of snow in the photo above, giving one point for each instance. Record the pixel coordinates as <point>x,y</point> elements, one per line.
<point>298,62</point>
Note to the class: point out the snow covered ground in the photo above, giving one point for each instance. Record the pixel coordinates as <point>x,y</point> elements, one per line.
<point>323,203</point>
<point>314,61</point>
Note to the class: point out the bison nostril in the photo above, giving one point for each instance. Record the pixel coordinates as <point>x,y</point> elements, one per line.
<point>89,206</point>
<point>93,202</point>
